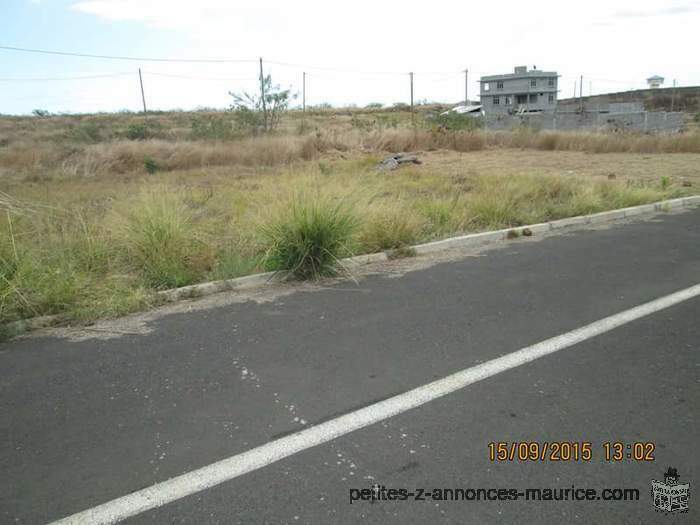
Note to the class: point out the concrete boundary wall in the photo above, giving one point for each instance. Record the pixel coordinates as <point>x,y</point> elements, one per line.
<point>641,121</point>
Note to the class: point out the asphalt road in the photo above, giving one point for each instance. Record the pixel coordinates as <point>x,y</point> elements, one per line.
<point>82,423</point>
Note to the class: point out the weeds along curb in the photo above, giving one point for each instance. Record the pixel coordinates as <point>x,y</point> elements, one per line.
<point>474,239</point>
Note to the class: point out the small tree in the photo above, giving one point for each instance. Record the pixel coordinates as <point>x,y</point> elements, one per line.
<point>250,112</point>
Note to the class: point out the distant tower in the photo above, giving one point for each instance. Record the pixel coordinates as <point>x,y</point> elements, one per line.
<point>655,82</point>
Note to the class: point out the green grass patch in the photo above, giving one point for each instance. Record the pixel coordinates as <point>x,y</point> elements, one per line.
<point>308,237</point>
<point>158,239</point>
<point>389,226</point>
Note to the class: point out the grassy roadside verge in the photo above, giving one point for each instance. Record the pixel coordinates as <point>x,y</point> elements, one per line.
<point>108,255</point>
<point>99,212</point>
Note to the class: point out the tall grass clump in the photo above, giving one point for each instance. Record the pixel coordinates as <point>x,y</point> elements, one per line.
<point>308,237</point>
<point>389,226</point>
<point>442,215</point>
<point>158,238</point>
<point>38,278</point>
<point>13,304</point>
<point>500,201</point>
<point>233,261</point>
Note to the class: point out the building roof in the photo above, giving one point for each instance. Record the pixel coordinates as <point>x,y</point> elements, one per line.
<point>533,73</point>
<point>655,77</point>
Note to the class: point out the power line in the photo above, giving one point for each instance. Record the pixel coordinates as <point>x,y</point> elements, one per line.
<point>229,60</point>
<point>112,57</point>
<point>356,71</point>
<point>333,69</point>
<point>46,79</point>
<point>192,77</point>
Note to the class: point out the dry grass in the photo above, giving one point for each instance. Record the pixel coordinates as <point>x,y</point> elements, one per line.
<point>599,142</point>
<point>94,145</point>
<point>88,232</point>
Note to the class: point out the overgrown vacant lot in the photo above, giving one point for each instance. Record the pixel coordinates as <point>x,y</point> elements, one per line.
<point>99,213</point>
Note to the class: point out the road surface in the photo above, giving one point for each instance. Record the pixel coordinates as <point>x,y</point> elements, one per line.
<point>86,422</point>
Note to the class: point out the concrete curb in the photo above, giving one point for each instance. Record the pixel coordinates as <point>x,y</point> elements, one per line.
<point>474,239</point>
<point>199,290</point>
<point>16,328</point>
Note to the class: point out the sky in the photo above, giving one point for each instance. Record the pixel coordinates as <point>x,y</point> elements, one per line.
<point>352,52</point>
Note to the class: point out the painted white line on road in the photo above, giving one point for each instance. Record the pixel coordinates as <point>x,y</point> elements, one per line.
<point>259,457</point>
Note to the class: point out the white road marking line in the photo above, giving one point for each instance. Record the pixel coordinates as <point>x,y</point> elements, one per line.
<point>259,457</point>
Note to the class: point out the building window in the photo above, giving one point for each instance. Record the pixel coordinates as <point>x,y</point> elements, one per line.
<point>550,82</point>
<point>499,85</point>
<point>551,98</point>
<point>507,101</point>
<point>496,101</point>
<point>521,99</point>
<point>533,97</point>
<point>486,86</point>
<point>533,82</point>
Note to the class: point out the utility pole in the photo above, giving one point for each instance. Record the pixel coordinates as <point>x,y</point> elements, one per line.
<point>143,97</point>
<point>262,95</point>
<point>466,87</point>
<point>673,94</point>
<point>411,75</point>
<point>580,93</point>
<point>303,100</point>
<point>574,89</point>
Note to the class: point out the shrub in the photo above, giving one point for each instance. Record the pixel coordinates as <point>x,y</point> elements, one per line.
<point>361,124</point>
<point>308,237</point>
<point>88,132</point>
<point>150,164</point>
<point>144,130</point>
<point>457,121</point>
<point>212,128</point>
<point>387,121</point>
<point>248,110</point>
<point>324,168</point>
<point>136,131</point>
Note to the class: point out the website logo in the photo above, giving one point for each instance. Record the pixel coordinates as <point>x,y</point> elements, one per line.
<point>669,495</point>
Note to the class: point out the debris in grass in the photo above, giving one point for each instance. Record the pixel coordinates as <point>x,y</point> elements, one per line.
<point>612,176</point>
<point>512,234</point>
<point>395,161</point>
<point>686,183</point>
<point>527,232</point>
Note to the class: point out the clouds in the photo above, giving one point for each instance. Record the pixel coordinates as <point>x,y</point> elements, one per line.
<point>621,40</point>
<point>664,11</point>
